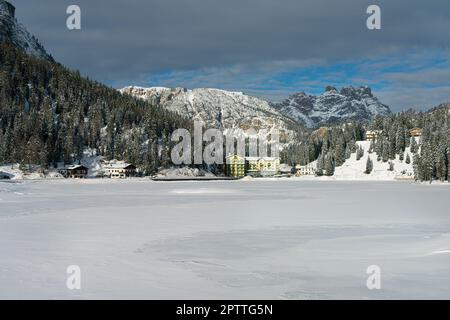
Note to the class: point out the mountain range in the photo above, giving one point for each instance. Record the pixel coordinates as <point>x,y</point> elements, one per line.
<point>227,109</point>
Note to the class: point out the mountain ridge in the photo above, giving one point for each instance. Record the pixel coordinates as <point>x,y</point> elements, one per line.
<point>221,108</point>
<point>215,107</point>
<point>333,106</point>
<point>13,32</point>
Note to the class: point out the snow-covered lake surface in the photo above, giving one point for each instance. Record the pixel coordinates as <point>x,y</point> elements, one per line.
<point>227,239</point>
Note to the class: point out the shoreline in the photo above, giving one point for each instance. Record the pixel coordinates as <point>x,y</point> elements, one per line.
<point>223,179</point>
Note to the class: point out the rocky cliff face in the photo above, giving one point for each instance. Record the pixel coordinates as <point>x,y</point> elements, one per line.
<point>13,32</point>
<point>348,104</point>
<point>216,108</point>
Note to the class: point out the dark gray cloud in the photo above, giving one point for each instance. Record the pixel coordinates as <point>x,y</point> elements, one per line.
<point>128,41</point>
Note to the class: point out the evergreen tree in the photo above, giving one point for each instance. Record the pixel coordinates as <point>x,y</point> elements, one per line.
<point>359,153</point>
<point>348,152</point>
<point>391,166</point>
<point>369,166</point>
<point>329,165</point>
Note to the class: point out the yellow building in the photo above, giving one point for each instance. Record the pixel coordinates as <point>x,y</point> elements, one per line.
<point>235,166</point>
<point>262,166</point>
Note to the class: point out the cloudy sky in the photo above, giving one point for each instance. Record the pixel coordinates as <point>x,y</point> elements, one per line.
<point>267,48</point>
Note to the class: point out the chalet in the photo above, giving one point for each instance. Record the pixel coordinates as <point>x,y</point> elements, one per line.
<point>262,166</point>
<point>120,170</point>
<point>308,170</point>
<point>372,135</point>
<point>235,166</point>
<point>76,172</point>
<point>415,132</point>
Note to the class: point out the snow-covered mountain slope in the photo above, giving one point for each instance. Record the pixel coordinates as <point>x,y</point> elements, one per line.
<point>216,108</point>
<point>333,106</point>
<point>13,32</point>
<point>354,169</point>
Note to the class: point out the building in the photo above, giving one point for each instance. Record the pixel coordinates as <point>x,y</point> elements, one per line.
<point>120,170</point>
<point>76,171</point>
<point>235,166</point>
<point>252,166</point>
<point>415,132</point>
<point>269,166</point>
<point>372,135</point>
<point>308,170</point>
<point>262,166</point>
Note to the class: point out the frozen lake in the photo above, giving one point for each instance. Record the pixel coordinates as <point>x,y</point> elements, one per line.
<point>227,239</point>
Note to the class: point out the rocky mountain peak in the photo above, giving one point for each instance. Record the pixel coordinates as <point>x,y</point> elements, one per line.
<point>8,8</point>
<point>13,32</point>
<point>330,89</point>
<point>359,92</point>
<point>332,106</point>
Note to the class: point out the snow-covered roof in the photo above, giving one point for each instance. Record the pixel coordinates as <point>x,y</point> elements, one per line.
<point>374,131</point>
<point>233,155</point>
<point>74,167</point>
<point>61,166</point>
<point>261,158</point>
<point>117,165</point>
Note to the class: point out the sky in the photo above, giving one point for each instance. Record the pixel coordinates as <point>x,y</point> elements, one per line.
<point>266,48</point>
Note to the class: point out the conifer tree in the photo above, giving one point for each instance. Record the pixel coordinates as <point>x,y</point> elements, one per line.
<point>391,166</point>
<point>369,166</point>
<point>329,165</point>
<point>359,153</point>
